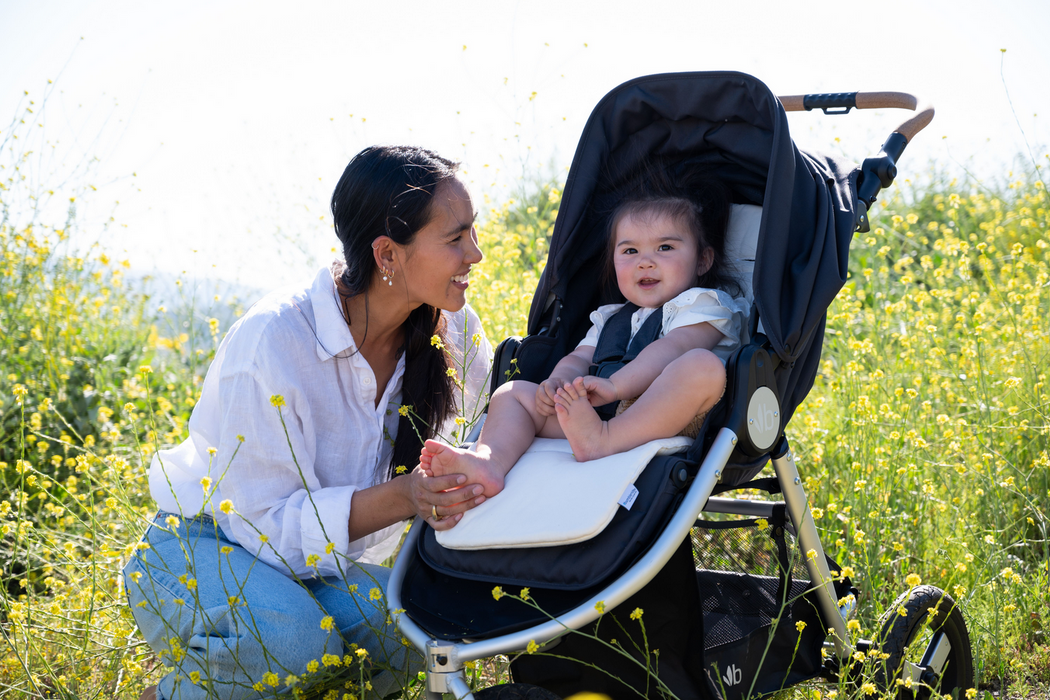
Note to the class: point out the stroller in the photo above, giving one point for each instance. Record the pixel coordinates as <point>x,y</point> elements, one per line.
<point>739,598</point>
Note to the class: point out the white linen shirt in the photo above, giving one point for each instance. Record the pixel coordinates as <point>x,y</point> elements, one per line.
<point>291,479</point>
<point>695,305</point>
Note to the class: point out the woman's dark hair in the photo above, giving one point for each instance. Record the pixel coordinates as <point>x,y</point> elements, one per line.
<point>701,205</point>
<point>389,191</point>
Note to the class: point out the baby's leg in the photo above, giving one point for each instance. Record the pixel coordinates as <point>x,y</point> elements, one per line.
<point>510,427</point>
<point>687,386</point>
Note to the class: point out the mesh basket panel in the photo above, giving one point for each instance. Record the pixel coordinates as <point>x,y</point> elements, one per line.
<point>739,576</point>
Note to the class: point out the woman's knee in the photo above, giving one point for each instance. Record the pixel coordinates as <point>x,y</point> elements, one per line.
<point>289,637</point>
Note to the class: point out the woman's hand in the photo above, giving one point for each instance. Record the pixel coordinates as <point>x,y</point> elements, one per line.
<point>446,497</point>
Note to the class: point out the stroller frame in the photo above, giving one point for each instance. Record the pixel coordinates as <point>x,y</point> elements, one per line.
<point>445,660</point>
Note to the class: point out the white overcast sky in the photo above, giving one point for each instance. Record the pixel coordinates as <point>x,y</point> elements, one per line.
<point>237,118</point>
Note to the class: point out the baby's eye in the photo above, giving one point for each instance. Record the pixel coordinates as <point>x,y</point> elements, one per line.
<point>666,246</point>
<point>628,251</point>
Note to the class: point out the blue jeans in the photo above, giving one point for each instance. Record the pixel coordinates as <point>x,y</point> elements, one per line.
<point>230,626</point>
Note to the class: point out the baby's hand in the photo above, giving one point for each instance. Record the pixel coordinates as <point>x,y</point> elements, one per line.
<point>600,391</point>
<point>545,393</point>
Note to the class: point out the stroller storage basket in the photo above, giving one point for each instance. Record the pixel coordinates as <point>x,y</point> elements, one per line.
<point>753,592</point>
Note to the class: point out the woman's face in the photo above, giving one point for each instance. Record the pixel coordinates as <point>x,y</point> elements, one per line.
<point>437,262</point>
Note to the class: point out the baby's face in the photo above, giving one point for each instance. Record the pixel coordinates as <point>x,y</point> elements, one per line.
<point>656,258</point>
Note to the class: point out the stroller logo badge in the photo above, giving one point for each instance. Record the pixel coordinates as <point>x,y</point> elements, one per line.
<point>733,675</point>
<point>763,418</point>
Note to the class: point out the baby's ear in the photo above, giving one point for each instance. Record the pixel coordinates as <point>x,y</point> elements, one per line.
<point>707,258</point>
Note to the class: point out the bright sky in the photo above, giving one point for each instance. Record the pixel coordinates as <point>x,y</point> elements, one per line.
<point>237,118</point>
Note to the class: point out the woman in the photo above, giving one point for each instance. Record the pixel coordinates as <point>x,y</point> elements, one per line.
<point>297,477</point>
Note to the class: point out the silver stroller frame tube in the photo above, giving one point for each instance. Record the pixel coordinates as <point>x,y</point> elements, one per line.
<point>809,542</point>
<point>445,660</point>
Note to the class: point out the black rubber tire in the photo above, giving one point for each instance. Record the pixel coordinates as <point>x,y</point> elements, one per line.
<point>515,691</point>
<point>899,632</point>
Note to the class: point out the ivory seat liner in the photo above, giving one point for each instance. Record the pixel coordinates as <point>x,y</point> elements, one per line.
<point>551,499</point>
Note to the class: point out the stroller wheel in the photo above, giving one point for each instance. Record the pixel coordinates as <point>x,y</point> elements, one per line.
<point>515,691</point>
<point>928,644</point>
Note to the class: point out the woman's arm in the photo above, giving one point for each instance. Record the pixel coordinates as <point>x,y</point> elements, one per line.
<point>404,497</point>
<point>636,376</point>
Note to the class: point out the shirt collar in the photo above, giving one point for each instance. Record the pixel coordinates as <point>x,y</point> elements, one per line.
<point>333,334</point>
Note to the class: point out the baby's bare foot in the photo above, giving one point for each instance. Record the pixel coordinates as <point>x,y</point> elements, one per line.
<point>444,459</point>
<point>586,432</point>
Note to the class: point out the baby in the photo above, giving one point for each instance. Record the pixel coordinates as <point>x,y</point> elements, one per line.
<point>665,262</point>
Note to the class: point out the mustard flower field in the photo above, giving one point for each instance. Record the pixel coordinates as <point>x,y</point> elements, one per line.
<point>924,444</point>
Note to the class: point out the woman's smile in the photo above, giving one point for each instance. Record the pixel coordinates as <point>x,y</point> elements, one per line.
<point>461,280</point>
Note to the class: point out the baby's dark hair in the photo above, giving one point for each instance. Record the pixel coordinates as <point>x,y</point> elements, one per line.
<point>702,207</point>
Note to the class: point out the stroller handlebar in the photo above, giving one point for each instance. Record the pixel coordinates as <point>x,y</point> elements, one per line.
<point>843,102</point>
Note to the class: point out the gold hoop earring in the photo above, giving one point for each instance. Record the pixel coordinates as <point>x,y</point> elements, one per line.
<point>388,276</point>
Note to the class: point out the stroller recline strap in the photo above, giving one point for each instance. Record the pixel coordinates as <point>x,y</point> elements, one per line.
<point>615,347</point>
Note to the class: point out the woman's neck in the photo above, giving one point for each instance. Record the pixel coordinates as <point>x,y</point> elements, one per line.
<point>376,320</point>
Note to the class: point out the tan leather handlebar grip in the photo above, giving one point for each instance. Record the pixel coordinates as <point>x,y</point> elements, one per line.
<point>879,100</point>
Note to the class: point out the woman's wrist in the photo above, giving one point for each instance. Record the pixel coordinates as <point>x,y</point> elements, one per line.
<point>405,491</point>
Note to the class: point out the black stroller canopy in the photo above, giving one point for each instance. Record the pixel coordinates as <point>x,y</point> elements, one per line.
<point>733,127</point>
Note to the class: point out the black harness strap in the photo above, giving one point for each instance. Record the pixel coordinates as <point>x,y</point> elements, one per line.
<point>613,352</point>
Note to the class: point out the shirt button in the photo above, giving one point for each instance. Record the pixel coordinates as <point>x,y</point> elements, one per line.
<point>367,381</point>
